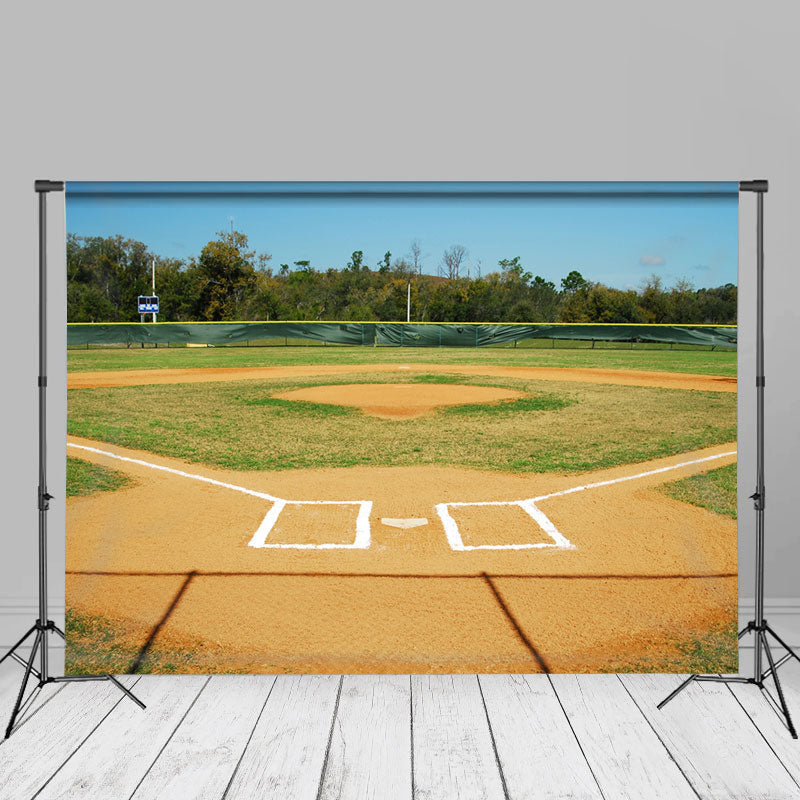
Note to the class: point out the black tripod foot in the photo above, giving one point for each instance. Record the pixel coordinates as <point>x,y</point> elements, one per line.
<point>773,670</point>
<point>41,630</point>
<point>676,692</point>
<point>761,642</point>
<point>126,691</point>
<point>37,642</point>
<point>84,678</point>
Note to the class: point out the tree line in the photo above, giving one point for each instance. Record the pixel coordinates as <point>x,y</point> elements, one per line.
<point>229,281</point>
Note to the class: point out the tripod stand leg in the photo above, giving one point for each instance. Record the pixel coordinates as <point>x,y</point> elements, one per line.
<point>746,629</point>
<point>107,677</point>
<point>789,652</point>
<point>676,692</point>
<point>126,691</point>
<point>14,649</point>
<point>21,696</point>
<point>776,680</point>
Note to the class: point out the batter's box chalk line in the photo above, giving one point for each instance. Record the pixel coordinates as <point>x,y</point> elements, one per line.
<point>362,540</point>
<point>456,542</point>
<point>259,539</point>
<point>529,506</point>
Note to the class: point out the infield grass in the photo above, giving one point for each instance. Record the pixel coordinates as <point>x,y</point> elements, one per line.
<point>714,490</point>
<point>558,427</point>
<point>84,478</point>
<point>704,362</point>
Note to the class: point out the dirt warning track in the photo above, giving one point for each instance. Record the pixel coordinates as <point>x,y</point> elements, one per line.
<point>148,377</point>
<point>173,556</point>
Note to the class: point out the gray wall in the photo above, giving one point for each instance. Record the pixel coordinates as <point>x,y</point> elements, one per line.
<point>502,91</point>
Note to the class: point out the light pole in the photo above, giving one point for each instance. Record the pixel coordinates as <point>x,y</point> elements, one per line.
<point>154,285</point>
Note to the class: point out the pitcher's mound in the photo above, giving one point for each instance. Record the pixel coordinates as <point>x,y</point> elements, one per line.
<point>400,400</point>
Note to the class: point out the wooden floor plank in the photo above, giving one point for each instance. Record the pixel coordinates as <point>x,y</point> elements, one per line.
<point>200,758</point>
<point>627,758</point>
<point>367,753</point>
<point>55,732</point>
<point>453,751</point>
<point>767,720</point>
<point>10,679</point>
<point>539,754</point>
<point>712,740</point>
<point>114,758</point>
<point>286,754</point>
<point>370,754</point>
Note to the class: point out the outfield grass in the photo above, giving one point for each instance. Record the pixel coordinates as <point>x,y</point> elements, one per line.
<point>558,427</point>
<point>714,490</point>
<point>704,362</point>
<point>84,478</point>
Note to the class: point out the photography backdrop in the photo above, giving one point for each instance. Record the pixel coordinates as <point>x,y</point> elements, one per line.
<point>545,482</point>
<point>619,107</point>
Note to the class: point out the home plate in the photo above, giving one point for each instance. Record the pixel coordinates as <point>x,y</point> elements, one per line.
<point>411,522</point>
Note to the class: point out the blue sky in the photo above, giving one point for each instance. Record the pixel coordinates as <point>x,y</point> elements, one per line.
<point>616,234</point>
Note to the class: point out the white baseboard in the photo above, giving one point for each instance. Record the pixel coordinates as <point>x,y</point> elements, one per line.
<point>783,615</point>
<point>17,616</point>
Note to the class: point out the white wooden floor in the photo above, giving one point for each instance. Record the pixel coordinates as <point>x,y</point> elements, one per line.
<point>395,737</point>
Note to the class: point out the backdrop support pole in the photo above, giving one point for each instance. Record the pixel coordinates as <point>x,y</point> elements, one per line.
<point>759,626</point>
<point>44,626</point>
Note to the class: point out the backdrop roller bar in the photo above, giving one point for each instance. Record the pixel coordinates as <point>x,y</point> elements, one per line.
<point>43,626</point>
<point>758,626</point>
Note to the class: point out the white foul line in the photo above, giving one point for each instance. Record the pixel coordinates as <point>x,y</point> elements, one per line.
<point>634,477</point>
<point>529,506</point>
<point>259,539</point>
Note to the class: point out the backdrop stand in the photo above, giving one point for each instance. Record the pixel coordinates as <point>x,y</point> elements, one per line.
<point>44,627</point>
<point>759,625</point>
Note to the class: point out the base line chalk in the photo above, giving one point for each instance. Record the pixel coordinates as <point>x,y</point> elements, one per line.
<point>259,539</point>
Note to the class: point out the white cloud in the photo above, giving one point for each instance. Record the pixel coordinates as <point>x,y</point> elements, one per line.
<point>651,261</point>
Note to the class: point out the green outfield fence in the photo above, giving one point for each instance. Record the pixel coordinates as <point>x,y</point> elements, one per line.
<point>390,334</point>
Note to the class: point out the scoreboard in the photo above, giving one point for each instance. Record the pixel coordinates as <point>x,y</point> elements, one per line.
<point>148,304</point>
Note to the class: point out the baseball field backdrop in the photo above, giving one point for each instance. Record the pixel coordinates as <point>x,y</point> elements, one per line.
<point>401,427</point>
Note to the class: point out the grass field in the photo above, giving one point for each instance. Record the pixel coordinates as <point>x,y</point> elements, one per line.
<point>84,478</point>
<point>557,427</point>
<point>714,490</point>
<point>718,362</point>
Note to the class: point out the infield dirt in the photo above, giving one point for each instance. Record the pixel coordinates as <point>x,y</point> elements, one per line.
<point>169,556</point>
<point>144,377</point>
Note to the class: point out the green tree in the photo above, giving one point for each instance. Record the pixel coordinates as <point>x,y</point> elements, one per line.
<point>227,274</point>
<point>574,282</point>
<point>356,262</point>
